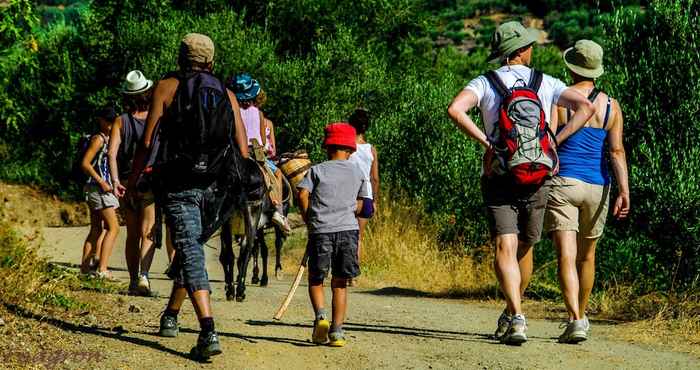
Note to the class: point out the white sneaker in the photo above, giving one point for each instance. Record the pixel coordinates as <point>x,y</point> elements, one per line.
<point>575,332</point>
<point>282,222</point>
<point>515,335</point>
<point>144,286</point>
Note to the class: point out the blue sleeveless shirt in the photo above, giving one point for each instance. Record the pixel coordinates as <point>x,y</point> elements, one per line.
<point>582,155</point>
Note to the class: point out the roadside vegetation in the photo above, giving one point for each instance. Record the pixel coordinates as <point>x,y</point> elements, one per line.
<point>403,60</point>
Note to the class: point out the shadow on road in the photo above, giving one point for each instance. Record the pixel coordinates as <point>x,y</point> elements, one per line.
<point>254,338</point>
<point>486,292</point>
<point>95,330</point>
<point>394,330</point>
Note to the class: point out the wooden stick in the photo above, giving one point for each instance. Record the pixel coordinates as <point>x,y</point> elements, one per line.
<point>293,289</point>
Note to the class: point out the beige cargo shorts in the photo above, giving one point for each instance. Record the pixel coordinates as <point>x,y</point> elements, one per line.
<point>574,205</point>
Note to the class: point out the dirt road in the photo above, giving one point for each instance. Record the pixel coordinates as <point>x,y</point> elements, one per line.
<point>387,328</point>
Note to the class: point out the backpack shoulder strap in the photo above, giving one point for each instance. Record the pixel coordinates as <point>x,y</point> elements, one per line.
<point>535,80</point>
<point>593,95</point>
<point>497,84</point>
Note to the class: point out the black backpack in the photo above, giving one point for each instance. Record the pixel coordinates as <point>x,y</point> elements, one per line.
<point>77,174</point>
<point>131,135</point>
<point>197,146</point>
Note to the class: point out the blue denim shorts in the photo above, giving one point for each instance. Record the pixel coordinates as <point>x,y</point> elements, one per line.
<point>183,215</point>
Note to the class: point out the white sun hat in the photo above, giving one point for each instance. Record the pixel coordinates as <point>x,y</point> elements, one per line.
<point>136,83</point>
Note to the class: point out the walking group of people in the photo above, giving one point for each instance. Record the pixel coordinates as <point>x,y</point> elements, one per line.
<point>178,147</point>
<point>180,140</point>
<point>545,167</point>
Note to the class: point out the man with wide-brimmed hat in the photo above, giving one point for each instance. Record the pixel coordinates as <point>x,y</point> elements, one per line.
<point>579,195</point>
<point>195,149</point>
<point>514,211</point>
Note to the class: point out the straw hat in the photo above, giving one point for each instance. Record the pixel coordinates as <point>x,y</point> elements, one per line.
<point>585,59</point>
<point>136,83</point>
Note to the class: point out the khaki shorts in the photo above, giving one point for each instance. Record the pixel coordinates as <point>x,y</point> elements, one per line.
<point>137,203</point>
<point>575,205</point>
<point>513,208</point>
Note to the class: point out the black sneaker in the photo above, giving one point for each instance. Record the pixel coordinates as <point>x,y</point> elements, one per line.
<point>207,346</point>
<point>168,326</point>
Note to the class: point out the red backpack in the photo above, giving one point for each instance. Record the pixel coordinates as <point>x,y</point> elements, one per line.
<point>524,145</point>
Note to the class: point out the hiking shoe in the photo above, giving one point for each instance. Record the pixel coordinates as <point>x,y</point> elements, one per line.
<point>336,338</point>
<point>575,332</point>
<point>503,324</point>
<point>515,335</point>
<point>207,346</point>
<point>282,222</point>
<point>168,326</point>
<point>144,286</point>
<point>320,334</point>
<point>133,288</point>
<point>587,325</point>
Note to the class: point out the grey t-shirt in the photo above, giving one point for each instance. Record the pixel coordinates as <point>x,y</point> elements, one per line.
<point>335,187</point>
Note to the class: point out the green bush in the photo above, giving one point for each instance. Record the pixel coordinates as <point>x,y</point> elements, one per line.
<point>379,55</point>
<point>654,72</point>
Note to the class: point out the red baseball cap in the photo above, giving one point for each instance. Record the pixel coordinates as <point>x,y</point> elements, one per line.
<point>340,134</point>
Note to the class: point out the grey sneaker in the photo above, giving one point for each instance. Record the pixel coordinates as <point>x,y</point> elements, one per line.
<point>207,346</point>
<point>575,332</point>
<point>503,324</point>
<point>515,335</point>
<point>168,326</point>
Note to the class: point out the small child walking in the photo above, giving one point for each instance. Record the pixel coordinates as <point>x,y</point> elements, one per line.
<point>99,197</point>
<point>366,158</point>
<point>330,197</point>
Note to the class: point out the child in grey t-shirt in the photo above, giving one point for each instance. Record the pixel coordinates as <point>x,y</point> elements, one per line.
<point>330,196</point>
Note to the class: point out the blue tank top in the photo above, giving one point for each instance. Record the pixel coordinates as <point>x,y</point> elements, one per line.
<point>582,155</point>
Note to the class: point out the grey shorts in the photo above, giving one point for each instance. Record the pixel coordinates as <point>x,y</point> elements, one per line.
<point>513,208</point>
<point>336,252</point>
<point>98,200</point>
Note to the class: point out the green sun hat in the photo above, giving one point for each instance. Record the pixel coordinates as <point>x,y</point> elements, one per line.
<point>508,38</point>
<point>585,59</point>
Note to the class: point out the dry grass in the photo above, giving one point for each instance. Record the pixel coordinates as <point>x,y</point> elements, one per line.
<point>401,249</point>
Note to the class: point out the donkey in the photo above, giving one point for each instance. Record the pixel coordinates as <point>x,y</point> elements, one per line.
<point>255,214</point>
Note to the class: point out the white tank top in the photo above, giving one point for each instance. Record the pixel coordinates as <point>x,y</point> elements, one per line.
<point>363,157</point>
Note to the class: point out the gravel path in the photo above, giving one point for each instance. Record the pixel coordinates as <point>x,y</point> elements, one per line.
<point>387,328</point>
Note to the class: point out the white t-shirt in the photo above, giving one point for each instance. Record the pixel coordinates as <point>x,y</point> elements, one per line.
<point>516,75</point>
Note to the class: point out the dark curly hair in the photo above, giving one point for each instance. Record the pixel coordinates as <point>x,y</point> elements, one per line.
<point>359,119</point>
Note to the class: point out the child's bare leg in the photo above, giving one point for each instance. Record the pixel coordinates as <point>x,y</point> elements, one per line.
<point>340,301</point>
<point>109,216</point>
<point>363,223</point>
<point>317,297</point>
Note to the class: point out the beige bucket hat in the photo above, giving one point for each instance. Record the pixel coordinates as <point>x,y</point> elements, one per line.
<point>585,59</point>
<point>198,48</point>
<point>136,83</point>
